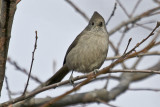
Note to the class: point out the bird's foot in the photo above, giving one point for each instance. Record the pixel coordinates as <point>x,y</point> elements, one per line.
<point>95,71</point>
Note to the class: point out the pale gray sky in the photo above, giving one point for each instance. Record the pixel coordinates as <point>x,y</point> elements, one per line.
<point>58,24</point>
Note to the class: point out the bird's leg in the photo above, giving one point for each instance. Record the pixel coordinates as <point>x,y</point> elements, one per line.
<point>71,79</point>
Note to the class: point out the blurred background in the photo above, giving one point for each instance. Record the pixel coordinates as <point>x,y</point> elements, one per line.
<point>57,24</point>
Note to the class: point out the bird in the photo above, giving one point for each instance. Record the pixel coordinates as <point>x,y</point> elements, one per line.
<point>87,52</point>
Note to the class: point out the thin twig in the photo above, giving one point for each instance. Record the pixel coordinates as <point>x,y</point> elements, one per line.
<point>158,43</point>
<point>35,47</point>
<point>135,71</point>
<point>121,39</point>
<point>140,58</point>
<point>130,16</point>
<point>102,101</point>
<point>8,89</point>
<point>31,94</point>
<point>125,11</point>
<point>39,90</point>
<point>135,7</point>
<point>156,13</point>
<point>16,93</point>
<point>116,50</point>
<point>112,46</point>
<point>15,64</point>
<point>148,22</point>
<point>109,77</point>
<point>143,26</point>
<point>139,55</point>
<point>112,14</point>
<point>107,81</point>
<point>136,62</point>
<point>143,89</point>
<point>78,10</point>
<point>133,20</point>
<point>129,41</point>
<point>157,1</point>
<point>104,70</point>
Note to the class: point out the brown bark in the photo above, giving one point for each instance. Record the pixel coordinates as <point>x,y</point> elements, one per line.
<point>8,8</point>
<point>90,97</point>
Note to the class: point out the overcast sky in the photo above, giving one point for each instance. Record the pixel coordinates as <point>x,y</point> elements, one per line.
<point>58,24</point>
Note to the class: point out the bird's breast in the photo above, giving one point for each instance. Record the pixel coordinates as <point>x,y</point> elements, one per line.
<point>89,53</point>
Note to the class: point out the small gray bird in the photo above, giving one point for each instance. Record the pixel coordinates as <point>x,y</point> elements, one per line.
<point>87,52</point>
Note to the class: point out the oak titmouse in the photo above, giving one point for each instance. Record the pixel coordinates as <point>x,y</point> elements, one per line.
<point>87,52</point>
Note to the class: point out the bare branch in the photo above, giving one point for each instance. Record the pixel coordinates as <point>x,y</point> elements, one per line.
<point>133,20</point>
<point>104,70</point>
<point>136,63</point>
<point>157,1</point>
<point>129,41</point>
<point>135,7</point>
<point>128,76</point>
<point>10,61</point>
<point>121,39</point>
<point>148,22</point>
<point>7,87</point>
<point>35,47</point>
<point>144,89</point>
<point>112,14</point>
<point>6,20</point>
<point>139,55</point>
<point>67,81</point>
<point>126,79</point>
<point>102,101</point>
<point>107,82</point>
<point>135,71</point>
<point>125,11</point>
<point>142,26</point>
<point>78,10</point>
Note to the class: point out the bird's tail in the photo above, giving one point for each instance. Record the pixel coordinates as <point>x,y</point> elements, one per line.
<point>58,76</point>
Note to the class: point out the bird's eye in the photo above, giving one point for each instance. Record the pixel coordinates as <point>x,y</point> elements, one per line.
<point>100,24</point>
<point>92,23</point>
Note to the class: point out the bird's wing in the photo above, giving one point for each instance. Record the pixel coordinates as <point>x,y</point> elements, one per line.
<point>74,43</point>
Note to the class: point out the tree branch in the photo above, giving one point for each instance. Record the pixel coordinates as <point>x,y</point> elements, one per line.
<point>87,97</point>
<point>78,10</point>
<point>104,70</point>
<point>139,55</point>
<point>35,47</point>
<point>133,20</point>
<point>8,8</point>
<point>15,64</point>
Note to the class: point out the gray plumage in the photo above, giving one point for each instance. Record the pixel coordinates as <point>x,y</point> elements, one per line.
<point>87,52</point>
